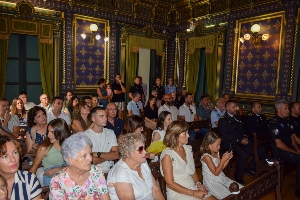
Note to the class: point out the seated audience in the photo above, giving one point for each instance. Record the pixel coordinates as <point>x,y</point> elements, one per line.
<point>105,146</point>
<point>19,183</point>
<point>37,128</point>
<point>131,176</point>
<point>203,111</point>
<point>113,122</point>
<point>88,100</point>
<point>56,112</point>
<point>158,102</point>
<point>284,141</point>
<point>168,106</point>
<point>182,99</point>
<point>294,109</point>
<point>3,188</point>
<point>18,109</point>
<point>177,165</point>
<point>70,106</point>
<point>214,179</point>
<point>218,112</point>
<point>135,106</point>
<point>133,124</point>
<point>81,118</point>
<point>80,180</point>
<point>45,103</point>
<point>102,93</point>
<point>49,152</point>
<point>150,113</point>
<point>27,105</point>
<point>174,99</point>
<point>10,122</point>
<point>69,95</point>
<point>95,101</point>
<point>226,97</point>
<point>163,121</point>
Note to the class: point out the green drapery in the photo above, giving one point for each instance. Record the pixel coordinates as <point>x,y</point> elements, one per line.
<point>192,71</point>
<point>3,60</point>
<point>211,72</point>
<point>45,53</point>
<point>201,83</point>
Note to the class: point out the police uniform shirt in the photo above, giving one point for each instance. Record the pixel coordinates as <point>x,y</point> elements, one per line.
<point>160,91</point>
<point>215,116</point>
<point>295,122</point>
<point>255,123</point>
<point>136,88</point>
<point>280,128</point>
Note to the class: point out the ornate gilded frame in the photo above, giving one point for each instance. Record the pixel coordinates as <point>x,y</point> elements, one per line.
<point>237,43</point>
<point>106,31</point>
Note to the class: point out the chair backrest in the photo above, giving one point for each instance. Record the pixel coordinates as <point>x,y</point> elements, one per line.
<point>45,192</point>
<point>260,186</point>
<point>155,170</point>
<point>199,124</point>
<point>260,140</point>
<point>197,161</point>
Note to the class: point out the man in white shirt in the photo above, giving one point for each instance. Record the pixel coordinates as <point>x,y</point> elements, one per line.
<point>169,107</point>
<point>27,105</point>
<point>9,123</point>
<point>45,103</point>
<point>105,147</point>
<point>57,104</point>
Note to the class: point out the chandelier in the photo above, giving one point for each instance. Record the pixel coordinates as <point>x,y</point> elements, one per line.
<point>255,37</point>
<point>93,35</point>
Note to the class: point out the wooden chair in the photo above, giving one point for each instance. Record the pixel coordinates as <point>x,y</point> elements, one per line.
<point>261,165</point>
<point>199,124</point>
<point>155,170</point>
<point>197,161</point>
<point>45,192</point>
<point>259,187</point>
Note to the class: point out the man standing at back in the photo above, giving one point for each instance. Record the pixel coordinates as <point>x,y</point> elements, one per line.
<point>136,88</point>
<point>105,147</point>
<point>170,87</point>
<point>27,105</point>
<point>119,91</point>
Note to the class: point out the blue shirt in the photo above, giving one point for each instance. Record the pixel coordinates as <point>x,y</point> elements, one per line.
<point>135,107</point>
<point>117,128</point>
<point>169,89</point>
<point>215,116</point>
<point>204,113</point>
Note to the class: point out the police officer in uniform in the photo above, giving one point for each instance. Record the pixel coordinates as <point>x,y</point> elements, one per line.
<point>294,108</point>
<point>283,135</point>
<point>255,121</point>
<point>234,139</point>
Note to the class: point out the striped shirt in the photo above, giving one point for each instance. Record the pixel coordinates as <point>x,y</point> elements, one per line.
<point>26,186</point>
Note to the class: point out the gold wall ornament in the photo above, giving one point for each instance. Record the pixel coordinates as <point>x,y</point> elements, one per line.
<point>255,83</point>
<point>236,31</point>
<point>294,53</point>
<point>257,65</point>
<point>242,65</point>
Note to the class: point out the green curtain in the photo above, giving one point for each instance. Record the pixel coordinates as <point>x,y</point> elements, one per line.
<point>3,60</point>
<point>211,72</point>
<point>131,67</point>
<point>201,83</point>
<point>192,71</point>
<point>45,53</point>
<point>152,70</point>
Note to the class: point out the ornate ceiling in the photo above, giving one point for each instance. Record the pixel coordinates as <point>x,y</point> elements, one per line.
<point>169,11</point>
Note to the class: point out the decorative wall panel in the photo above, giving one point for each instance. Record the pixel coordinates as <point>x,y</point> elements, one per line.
<point>257,68</point>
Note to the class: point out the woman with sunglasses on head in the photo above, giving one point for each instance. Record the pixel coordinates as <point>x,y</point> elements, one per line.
<point>178,168</point>
<point>37,127</point>
<point>130,177</point>
<point>21,184</point>
<point>49,152</point>
<point>81,120</point>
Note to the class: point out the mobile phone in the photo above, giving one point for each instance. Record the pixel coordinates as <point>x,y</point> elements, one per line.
<point>230,148</point>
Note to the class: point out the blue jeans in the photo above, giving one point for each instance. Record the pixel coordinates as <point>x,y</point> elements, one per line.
<point>193,134</point>
<point>47,179</point>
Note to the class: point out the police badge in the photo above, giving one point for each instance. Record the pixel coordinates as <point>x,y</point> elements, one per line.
<point>275,131</point>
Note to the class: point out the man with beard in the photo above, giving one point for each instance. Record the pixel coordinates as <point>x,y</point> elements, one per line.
<point>168,106</point>
<point>174,99</point>
<point>294,109</point>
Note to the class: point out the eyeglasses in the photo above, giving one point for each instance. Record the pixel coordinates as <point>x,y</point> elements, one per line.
<point>191,111</point>
<point>141,149</point>
<point>113,109</point>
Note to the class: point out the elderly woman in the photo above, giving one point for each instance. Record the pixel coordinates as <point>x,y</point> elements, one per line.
<point>3,188</point>
<point>81,118</point>
<point>49,152</point>
<point>178,168</point>
<point>130,177</point>
<point>37,128</point>
<point>19,182</point>
<point>81,179</point>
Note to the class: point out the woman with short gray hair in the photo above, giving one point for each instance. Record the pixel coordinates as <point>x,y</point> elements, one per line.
<point>81,179</point>
<point>130,177</point>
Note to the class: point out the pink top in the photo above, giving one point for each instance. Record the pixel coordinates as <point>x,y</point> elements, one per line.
<point>109,92</point>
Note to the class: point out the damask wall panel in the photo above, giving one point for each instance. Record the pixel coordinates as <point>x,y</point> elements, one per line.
<point>90,56</point>
<point>257,69</point>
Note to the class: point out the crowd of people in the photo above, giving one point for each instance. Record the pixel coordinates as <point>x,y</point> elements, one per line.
<point>94,148</point>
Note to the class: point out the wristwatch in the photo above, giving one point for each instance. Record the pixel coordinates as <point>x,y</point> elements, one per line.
<point>98,154</point>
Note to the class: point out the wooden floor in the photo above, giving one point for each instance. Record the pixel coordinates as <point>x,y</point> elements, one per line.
<point>288,189</point>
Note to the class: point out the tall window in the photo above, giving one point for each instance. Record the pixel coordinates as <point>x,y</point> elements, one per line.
<point>23,68</point>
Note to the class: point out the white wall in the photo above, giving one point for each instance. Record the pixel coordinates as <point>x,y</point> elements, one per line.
<point>144,67</point>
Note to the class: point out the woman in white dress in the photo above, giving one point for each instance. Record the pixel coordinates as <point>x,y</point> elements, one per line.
<point>130,177</point>
<point>178,168</point>
<point>163,121</point>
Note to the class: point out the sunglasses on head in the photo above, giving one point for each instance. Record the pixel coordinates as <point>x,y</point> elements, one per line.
<point>137,105</point>
<point>141,149</point>
<point>191,111</point>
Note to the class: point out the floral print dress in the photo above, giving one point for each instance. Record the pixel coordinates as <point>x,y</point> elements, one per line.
<point>63,188</point>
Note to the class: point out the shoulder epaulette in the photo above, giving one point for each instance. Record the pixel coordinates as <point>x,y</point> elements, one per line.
<point>250,114</point>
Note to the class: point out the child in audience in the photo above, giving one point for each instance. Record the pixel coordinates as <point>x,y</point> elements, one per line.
<point>3,188</point>
<point>214,179</point>
<point>109,91</point>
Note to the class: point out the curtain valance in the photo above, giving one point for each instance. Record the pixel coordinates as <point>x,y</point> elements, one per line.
<point>207,42</point>
<point>136,42</point>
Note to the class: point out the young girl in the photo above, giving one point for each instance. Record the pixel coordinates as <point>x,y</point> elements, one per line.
<point>213,178</point>
<point>109,91</point>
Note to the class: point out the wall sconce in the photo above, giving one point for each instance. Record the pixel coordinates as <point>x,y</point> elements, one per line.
<point>255,37</point>
<point>93,35</point>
